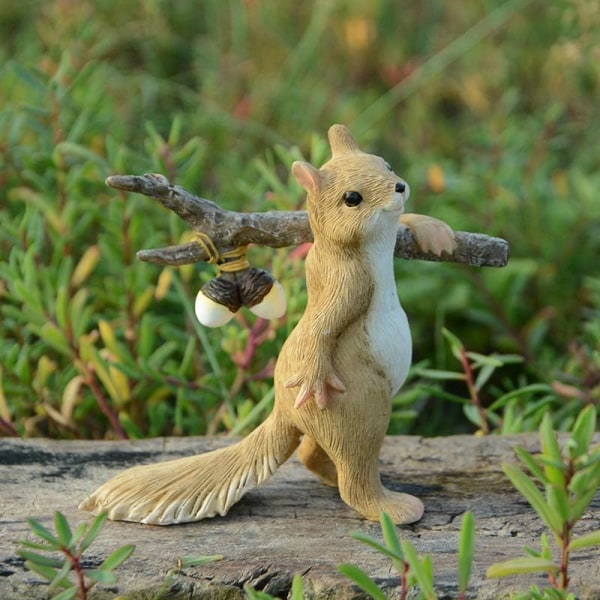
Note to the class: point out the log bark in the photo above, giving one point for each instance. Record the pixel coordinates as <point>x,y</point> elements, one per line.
<point>277,229</point>
<point>292,524</point>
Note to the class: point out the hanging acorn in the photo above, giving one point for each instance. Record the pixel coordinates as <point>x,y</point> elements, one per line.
<point>237,284</point>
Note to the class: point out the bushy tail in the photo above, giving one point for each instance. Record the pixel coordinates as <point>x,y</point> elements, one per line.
<point>197,487</point>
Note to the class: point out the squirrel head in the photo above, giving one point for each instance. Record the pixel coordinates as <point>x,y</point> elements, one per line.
<point>354,195</point>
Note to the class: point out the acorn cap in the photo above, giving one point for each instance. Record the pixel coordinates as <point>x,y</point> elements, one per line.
<point>261,293</point>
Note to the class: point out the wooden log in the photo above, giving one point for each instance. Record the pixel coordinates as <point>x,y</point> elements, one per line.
<point>292,524</point>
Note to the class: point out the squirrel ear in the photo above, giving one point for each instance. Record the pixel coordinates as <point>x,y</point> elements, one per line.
<point>341,140</point>
<point>308,177</point>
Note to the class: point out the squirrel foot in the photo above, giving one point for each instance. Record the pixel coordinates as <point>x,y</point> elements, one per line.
<point>432,234</point>
<point>317,387</point>
<point>402,508</point>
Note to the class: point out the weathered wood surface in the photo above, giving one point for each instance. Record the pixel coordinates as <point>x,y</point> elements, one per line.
<point>292,524</point>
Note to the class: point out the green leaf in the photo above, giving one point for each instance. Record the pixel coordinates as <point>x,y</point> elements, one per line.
<point>516,566</point>
<point>484,375</point>
<point>253,594</point>
<point>483,360</point>
<point>61,578</point>
<point>456,346</point>
<point>41,560</point>
<point>531,493</point>
<point>44,533</point>
<point>93,531</point>
<point>362,580</point>
<point>297,588</point>
<point>78,535</point>
<point>196,560</point>
<point>101,575</point>
<point>67,594</point>
<point>369,541</point>
<point>582,503</point>
<point>420,572</point>
<point>558,501</point>
<point>48,573</point>
<point>530,462</point>
<point>439,374</point>
<point>117,557</point>
<point>38,545</point>
<point>585,541</point>
<point>583,430</point>
<point>63,530</point>
<point>546,548</point>
<point>585,478</point>
<point>552,456</point>
<point>55,337</point>
<point>390,537</point>
<point>466,550</point>
<point>473,413</point>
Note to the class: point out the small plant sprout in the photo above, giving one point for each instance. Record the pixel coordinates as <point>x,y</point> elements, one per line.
<point>413,570</point>
<point>296,593</point>
<point>560,486</point>
<point>67,573</point>
<point>476,371</point>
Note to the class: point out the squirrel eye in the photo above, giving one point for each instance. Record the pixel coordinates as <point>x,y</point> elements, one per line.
<point>352,199</point>
<point>388,166</point>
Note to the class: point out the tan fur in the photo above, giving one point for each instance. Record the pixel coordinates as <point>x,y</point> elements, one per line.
<point>336,373</point>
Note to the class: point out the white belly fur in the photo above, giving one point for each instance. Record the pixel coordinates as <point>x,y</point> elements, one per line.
<point>387,325</point>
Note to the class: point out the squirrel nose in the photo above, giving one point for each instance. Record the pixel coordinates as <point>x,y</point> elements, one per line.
<point>400,187</point>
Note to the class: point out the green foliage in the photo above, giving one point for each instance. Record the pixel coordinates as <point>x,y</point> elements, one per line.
<point>413,570</point>
<point>221,98</point>
<point>296,593</point>
<point>560,486</point>
<point>41,558</point>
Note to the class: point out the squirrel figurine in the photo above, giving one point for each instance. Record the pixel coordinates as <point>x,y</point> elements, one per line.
<point>336,373</point>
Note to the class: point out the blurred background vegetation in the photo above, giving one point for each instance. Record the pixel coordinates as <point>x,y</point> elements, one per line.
<point>489,109</point>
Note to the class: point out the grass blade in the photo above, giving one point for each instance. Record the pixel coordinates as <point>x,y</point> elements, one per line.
<point>362,580</point>
<point>516,566</point>
<point>465,551</point>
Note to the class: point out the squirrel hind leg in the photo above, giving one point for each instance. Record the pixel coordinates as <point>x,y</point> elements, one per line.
<point>315,459</point>
<point>361,489</point>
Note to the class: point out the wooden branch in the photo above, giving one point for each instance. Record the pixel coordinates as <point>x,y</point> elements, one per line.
<point>277,229</point>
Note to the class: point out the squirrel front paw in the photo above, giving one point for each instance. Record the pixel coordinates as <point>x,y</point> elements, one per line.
<point>319,387</point>
<point>432,234</point>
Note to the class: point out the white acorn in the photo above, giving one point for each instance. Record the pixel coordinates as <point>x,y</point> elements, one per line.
<point>273,305</point>
<point>211,313</point>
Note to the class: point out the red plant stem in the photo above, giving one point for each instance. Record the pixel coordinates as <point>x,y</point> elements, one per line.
<point>75,560</point>
<point>564,559</point>
<point>404,581</point>
<point>473,393</point>
<point>105,407</point>
<point>4,424</point>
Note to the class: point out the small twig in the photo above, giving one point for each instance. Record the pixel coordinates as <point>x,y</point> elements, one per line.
<point>277,229</point>
<point>473,391</point>
<point>104,405</point>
